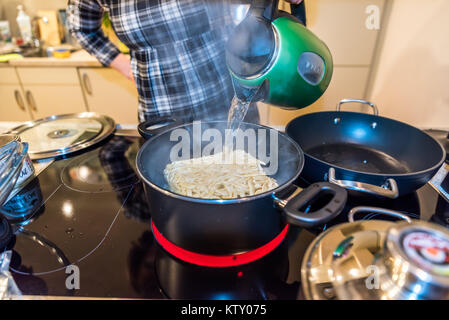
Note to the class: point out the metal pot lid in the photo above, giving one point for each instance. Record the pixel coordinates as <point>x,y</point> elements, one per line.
<point>417,258</point>
<point>378,260</point>
<point>64,134</point>
<point>317,272</point>
<point>7,138</point>
<point>12,157</point>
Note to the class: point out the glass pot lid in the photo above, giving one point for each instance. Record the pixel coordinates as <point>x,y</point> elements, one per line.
<point>64,134</point>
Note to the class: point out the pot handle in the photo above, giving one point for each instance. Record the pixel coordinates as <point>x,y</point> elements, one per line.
<point>372,105</point>
<point>161,125</point>
<point>389,190</point>
<point>297,206</point>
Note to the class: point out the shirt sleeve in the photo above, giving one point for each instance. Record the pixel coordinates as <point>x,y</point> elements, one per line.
<point>84,20</point>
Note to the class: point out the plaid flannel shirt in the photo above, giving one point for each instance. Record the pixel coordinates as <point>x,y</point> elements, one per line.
<point>177,50</point>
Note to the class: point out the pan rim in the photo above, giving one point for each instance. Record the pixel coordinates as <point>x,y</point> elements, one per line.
<point>430,169</point>
<point>223,201</point>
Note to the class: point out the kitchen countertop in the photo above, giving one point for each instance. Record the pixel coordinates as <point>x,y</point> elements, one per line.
<point>77,59</point>
<point>6,125</point>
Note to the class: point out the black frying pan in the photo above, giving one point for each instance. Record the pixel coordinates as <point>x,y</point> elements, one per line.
<point>366,153</point>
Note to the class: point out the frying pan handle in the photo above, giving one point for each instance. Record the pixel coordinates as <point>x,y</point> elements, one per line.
<point>391,191</point>
<point>391,213</point>
<point>161,124</point>
<point>372,105</point>
<point>299,208</point>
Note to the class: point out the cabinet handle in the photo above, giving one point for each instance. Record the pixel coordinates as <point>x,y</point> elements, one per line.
<point>86,84</point>
<point>30,99</point>
<point>19,100</point>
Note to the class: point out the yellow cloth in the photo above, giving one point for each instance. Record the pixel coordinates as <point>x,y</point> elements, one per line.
<point>9,57</point>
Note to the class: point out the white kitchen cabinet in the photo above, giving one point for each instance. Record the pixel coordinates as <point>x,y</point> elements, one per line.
<point>48,100</point>
<point>110,93</point>
<point>51,91</point>
<point>48,75</point>
<point>8,75</point>
<point>12,103</point>
<point>12,100</point>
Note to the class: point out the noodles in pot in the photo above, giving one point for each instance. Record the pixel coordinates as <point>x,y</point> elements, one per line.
<point>225,175</point>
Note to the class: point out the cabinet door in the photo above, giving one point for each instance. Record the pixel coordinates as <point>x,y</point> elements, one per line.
<point>12,104</point>
<point>48,75</point>
<point>48,100</point>
<point>8,75</point>
<point>108,92</point>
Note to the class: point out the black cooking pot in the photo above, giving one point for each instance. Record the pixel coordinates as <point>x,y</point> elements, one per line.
<point>231,226</point>
<point>365,153</point>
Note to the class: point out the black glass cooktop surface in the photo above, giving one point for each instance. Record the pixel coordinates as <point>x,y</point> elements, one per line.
<point>89,211</point>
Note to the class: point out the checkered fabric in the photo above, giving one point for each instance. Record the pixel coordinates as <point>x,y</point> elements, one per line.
<point>177,52</point>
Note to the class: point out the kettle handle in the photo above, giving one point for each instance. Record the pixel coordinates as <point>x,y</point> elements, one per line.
<point>265,8</point>
<point>299,12</point>
<point>269,10</point>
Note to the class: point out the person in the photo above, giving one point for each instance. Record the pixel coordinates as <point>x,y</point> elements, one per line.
<point>177,53</point>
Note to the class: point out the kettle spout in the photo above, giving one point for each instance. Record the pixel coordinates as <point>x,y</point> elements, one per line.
<point>251,93</point>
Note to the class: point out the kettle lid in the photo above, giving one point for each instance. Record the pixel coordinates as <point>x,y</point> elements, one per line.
<point>251,46</point>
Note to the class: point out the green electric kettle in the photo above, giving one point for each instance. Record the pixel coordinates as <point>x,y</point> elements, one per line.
<point>272,53</point>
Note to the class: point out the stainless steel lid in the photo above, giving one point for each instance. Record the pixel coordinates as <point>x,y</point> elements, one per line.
<point>12,157</point>
<point>378,260</point>
<point>416,258</point>
<point>7,138</point>
<point>319,279</point>
<point>64,134</point>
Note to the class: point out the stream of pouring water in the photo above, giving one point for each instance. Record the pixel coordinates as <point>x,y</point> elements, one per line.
<point>237,112</point>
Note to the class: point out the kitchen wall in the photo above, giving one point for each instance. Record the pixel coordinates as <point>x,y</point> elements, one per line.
<point>411,78</point>
<point>8,9</point>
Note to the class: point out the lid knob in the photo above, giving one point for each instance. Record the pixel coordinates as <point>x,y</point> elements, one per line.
<point>416,258</point>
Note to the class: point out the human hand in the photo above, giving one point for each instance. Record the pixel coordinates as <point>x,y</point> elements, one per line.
<point>294,1</point>
<point>122,64</point>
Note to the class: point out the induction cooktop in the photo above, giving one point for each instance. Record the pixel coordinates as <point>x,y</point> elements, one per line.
<point>87,215</point>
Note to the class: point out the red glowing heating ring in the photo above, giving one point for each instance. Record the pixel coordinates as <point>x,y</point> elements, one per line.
<point>218,261</point>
